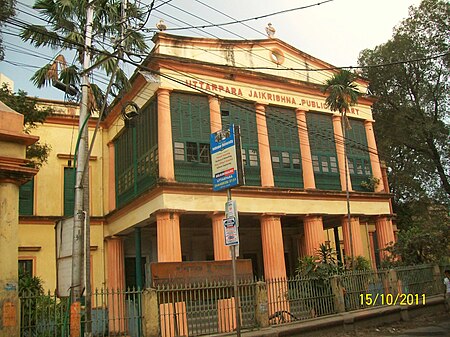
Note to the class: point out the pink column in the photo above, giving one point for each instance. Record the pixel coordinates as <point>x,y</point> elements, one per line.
<point>169,250</point>
<point>168,233</point>
<point>274,263</point>
<point>221,252</point>
<point>265,160</point>
<point>358,248</point>
<point>116,284</point>
<point>314,237</point>
<point>373,153</point>
<point>385,234</point>
<point>215,118</point>
<point>165,146</point>
<point>339,139</point>
<point>386,184</point>
<point>372,251</point>
<point>305,149</point>
<point>112,178</point>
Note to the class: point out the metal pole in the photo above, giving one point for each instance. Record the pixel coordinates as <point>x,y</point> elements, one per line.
<point>236,289</point>
<point>81,232</point>
<point>347,193</point>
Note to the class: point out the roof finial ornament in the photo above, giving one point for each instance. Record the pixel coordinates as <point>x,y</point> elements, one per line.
<point>161,25</point>
<point>270,31</point>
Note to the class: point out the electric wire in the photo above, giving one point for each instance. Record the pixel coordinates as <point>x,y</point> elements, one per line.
<point>428,58</point>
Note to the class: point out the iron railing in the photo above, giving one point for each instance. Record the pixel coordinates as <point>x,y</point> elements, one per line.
<point>114,313</point>
<point>209,308</point>
<point>204,308</point>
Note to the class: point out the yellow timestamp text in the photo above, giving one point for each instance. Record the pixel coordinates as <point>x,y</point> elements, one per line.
<point>391,299</point>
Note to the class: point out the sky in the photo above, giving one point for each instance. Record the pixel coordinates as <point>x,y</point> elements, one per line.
<point>335,31</point>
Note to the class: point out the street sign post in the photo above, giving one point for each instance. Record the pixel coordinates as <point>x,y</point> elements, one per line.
<point>231,232</point>
<point>226,158</point>
<point>228,172</point>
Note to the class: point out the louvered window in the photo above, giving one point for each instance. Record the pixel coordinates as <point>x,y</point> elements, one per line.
<point>323,151</point>
<point>190,134</point>
<point>136,155</point>
<point>26,198</point>
<point>244,114</point>
<point>69,191</point>
<point>358,154</point>
<point>284,147</point>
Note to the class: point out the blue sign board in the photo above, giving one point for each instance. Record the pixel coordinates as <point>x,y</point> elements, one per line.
<point>226,158</point>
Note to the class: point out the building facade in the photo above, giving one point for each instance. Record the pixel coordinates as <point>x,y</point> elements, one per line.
<point>151,191</point>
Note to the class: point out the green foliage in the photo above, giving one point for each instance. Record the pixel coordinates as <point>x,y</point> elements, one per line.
<point>342,92</point>
<point>29,284</point>
<point>422,243</point>
<point>65,32</point>
<point>38,152</point>
<point>359,263</point>
<point>7,11</point>
<point>42,314</point>
<point>370,184</point>
<point>324,264</point>
<point>412,107</point>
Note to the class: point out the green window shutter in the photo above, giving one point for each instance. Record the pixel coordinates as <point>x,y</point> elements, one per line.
<point>69,191</point>
<point>323,151</point>
<point>190,117</point>
<point>358,154</point>
<point>26,198</point>
<point>136,155</point>
<point>190,133</point>
<point>244,114</point>
<point>284,147</point>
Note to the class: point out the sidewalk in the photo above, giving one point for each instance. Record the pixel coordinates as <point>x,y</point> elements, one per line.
<point>357,323</point>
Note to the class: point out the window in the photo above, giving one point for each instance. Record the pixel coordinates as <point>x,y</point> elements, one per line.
<point>69,191</point>
<point>324,163</point>
<point>195,152</point>
<point>333,164</point>
<point>351,167</point>
<point>204,155</point>
<point>192,152</point>
<point>316,166</point>
<point>253,157</point>
<point>286,159</point>
<point>26,266</point>
<point>275,159</point>
<point>296,161</point>
<point>179,151</point>
<point>26,199</point>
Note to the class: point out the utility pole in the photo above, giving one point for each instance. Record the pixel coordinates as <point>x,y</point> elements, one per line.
<point>81,228</point>
<point>347,192</point>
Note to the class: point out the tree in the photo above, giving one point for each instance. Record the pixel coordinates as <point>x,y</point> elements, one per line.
<point>342,94</point>
<point>67,20</point>
<point>21,103</point>
<point>412,111</point>
<point>427,240</point>
<point>7,11</point>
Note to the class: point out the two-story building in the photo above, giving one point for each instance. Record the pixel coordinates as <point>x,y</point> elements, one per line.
<point>151,177</point>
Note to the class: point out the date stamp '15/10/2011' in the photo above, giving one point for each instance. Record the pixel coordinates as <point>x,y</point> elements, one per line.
<point>390,299</point>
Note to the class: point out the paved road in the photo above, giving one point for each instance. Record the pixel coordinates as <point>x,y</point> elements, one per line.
<point>438,329</point>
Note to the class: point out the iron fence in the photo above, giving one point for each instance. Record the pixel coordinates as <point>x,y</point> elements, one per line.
<point>299,298</point>
<point>417,280</point>
<point>365,288</point>
<point>114,313</point>
<point>210,308</point>
<point>204,308</point>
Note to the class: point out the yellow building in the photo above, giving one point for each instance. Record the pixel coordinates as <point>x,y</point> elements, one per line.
<point>151,177</point>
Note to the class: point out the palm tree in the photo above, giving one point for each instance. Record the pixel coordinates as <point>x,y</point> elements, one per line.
<point>342,94</point>
<point>65,33</point>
